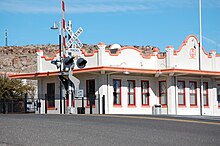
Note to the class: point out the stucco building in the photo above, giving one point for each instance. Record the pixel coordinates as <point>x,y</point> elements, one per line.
<point>132,80</point>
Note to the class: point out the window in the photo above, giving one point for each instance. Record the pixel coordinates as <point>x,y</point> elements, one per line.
<point>90,92</point>
<point>181,92</point>
<point>193,93</point>
<point>51,95</point>
<point>131,92</point>
<point>145,92</point>
<point>117,92</point>
<point>218,94</point>
<point>163,92</point>
<point>205,94</point>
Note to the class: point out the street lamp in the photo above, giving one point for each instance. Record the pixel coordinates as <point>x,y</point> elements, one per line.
<point>55,27</point>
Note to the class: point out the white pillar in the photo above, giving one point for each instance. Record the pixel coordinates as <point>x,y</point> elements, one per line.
<point>169,57</point>
<point>39,60</point>
<point>201,103</point>
<point>171,104</point>
<point>213,55</point>
<point>155,52</point>
<point>101,52</point>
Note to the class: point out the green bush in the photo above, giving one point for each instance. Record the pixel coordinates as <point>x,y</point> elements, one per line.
<point>14,88</point>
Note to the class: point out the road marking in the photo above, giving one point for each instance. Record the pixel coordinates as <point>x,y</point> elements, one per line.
<point>158,118</point>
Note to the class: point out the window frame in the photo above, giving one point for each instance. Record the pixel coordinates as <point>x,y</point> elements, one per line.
<point>142,93</point>
<point>165,93</point>
<point>206,93</point>
<point>131,93</point>
<point>118,93</point>
<point>195,90</point>
<point>182,93</point>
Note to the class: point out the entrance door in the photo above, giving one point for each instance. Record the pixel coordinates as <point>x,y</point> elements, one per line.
<point>50,95</point>
<point>218,95</point>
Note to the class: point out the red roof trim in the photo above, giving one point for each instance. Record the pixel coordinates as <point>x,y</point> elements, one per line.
<point>184,44</point>
<point>50,58</point>
<point>83,52</point>
<point>88,54</point>
<point>33,75</point>
<point>189,71</point>
<point>118,69</point>
<point>136,49</point>
<point>159,56</point>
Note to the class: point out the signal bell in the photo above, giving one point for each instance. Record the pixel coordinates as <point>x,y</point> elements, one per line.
<point>81,63</point>
<point>68,60</point>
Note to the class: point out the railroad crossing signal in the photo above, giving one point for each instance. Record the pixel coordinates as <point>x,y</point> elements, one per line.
<point>74,37</point>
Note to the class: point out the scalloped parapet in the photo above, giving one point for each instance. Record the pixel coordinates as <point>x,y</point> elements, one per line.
<point>24,58</point>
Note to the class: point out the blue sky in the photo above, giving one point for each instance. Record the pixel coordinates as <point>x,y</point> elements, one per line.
<point>127,22</point>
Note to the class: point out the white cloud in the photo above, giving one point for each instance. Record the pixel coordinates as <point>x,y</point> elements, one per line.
<point>86,6</point>
<point>96,6</point>
<point>28,6</point>
<point>210,41</point>
<point>105,8</point>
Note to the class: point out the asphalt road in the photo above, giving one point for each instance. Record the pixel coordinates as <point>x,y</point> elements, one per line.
<point>111,130</point>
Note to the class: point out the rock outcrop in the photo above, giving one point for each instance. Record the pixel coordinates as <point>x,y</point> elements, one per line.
<point>22,59</point>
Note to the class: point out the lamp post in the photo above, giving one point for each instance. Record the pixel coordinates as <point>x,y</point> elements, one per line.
<point>55,27</point>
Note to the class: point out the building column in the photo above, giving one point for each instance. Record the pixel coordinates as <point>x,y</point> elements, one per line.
<point>101,54</point>
<point>39,60</point>
<point>102,92</point>
<point>169,57</point>
<point>213,97</point>
<point>171,95</point>
<point>213,55</point>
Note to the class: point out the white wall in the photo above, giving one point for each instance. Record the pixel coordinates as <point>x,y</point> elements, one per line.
<point>124,108</point>
<point>131,58</point>
<point>42,90</point>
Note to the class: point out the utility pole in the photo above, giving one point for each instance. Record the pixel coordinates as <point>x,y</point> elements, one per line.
<point>200,48</point>
<point>200,32</point>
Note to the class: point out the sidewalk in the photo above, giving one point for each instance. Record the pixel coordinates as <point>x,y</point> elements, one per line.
<point>198,117</point>
<point>181,117</point>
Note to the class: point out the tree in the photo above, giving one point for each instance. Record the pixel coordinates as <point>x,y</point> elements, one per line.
<point>14,88</point>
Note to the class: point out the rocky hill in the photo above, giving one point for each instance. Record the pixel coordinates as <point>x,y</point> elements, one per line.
<point>22,58</point>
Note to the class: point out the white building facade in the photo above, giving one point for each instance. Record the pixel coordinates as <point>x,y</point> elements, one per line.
<point>127,80</point>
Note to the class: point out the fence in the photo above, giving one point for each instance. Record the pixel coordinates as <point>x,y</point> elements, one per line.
<point>12,106</point>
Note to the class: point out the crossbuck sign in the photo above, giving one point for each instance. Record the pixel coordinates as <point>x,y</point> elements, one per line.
<point>74,37</point>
